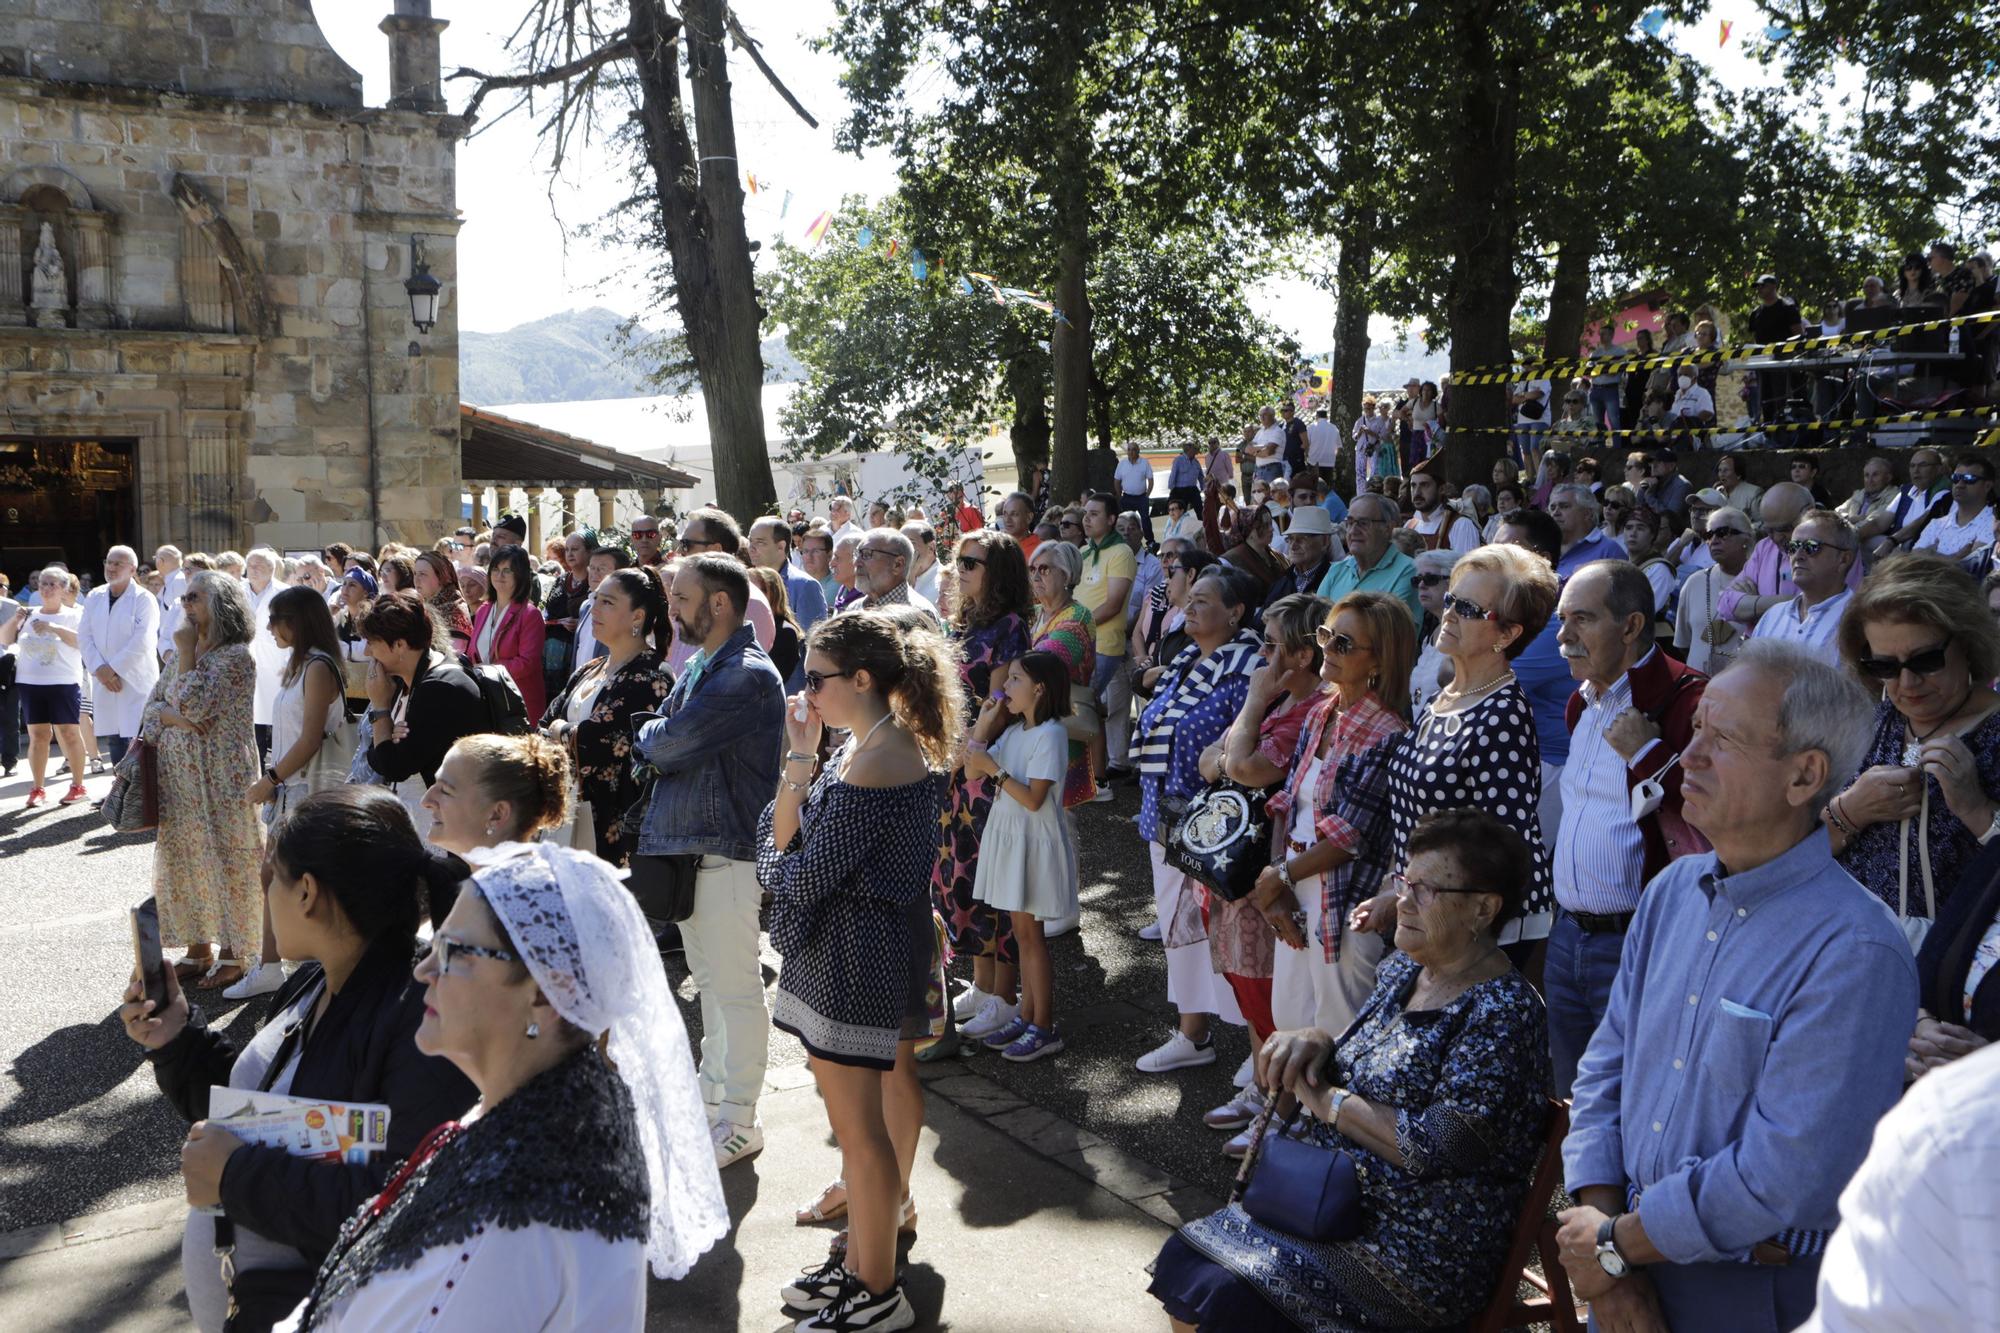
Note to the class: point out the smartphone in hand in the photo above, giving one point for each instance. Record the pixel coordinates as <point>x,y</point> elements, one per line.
<point>146,952</point>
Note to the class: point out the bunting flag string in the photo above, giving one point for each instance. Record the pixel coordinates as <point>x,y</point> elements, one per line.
<point>1550,435</point>
<point>1717,356</point>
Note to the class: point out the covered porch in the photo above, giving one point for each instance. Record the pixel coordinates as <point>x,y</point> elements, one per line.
<point>500,457</point>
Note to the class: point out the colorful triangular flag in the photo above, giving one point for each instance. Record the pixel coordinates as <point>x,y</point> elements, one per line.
<point>1653,22</point>
<point>784,204</point>
<point>920,267</point>
<point>1726,26</point>
<point>865,237</point>
<point>816,229</point>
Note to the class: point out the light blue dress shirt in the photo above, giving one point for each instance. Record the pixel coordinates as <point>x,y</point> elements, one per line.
<point>1818,631</point>
<point>1755,1034</point>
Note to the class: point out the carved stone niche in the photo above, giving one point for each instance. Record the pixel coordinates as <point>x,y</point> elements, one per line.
<point>55,252</point>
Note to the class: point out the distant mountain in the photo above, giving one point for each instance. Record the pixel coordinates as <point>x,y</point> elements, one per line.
<point>571,357</point>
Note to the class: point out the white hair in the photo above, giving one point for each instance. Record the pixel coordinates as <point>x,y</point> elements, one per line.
<point>893,541</point>
<point>1439,561</point>
<point>1386,509</point>
<point>167,548</point>
<point>1824,708</point>
<point>1586,499</point>
<point>1733,512</point>
<point>125,551</point>
<point>852,539</point>
<point>265,553</point>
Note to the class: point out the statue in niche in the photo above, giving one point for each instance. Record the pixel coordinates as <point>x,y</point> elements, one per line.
<point>49,295</point>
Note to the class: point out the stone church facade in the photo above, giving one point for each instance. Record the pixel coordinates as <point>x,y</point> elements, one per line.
<point>205,337</point>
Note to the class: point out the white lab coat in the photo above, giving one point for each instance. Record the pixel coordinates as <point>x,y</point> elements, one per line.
<point>266,653</point>
<point>171,614</point>
<point>122,636</point>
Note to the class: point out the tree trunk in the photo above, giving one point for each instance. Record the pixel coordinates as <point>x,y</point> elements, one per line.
<point>1350,334</point>
<point>1482,286</point>
<point>1101,399</point>
<point>1028,388</point>
<point>701,213</point>
<point>1569,299</point>
<point>1069,348</point>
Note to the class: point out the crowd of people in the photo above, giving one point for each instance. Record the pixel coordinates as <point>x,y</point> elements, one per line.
<point>1677,803</point>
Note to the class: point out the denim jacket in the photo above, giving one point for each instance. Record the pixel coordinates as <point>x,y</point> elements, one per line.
<point>718,748</point>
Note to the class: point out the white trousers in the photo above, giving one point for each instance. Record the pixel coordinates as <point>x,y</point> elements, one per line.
<point>721,943</point>
<point>1193,984</point>
<point>1309,992</point>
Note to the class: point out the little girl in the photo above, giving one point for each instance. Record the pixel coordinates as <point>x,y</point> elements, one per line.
<point>1027,861</point>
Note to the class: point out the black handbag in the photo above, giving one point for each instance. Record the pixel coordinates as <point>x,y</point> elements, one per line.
<point>1299,1188</point>
<point>1222,839</point>
<point>663,885</point>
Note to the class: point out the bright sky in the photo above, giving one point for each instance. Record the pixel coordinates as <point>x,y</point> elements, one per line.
<point>521,259</point>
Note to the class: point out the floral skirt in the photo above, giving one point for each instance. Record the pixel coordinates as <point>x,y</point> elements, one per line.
<point>971,927</point>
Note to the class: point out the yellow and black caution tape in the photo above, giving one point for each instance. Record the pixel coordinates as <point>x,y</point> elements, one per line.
<point>1549,436</point>
<point>1713,357</point>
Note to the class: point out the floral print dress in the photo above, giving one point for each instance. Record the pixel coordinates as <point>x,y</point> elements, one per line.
<point>604,738</point>
<point>1071,634</point>
<point>206,857</point>
<point>970,925</point>
<point>1467,1081</point>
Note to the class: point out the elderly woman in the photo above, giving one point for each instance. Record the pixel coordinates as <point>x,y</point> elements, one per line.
<point>1742,495</point>
<point>989,624</point>
<point>1437,1093</point>
<point>1615,504</point>
<point>1431,672</point>
<point>1929,791</point>
<point>348,884</point>
<point>1063,627</point>
<point>1474,744</point>
<point>209,847</point>
<point>1200,692</point>
<point>1160,629</point>
<point>1253,553</point>
<point>544,987</point>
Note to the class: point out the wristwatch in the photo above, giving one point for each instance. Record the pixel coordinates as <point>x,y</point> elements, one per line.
<point>1608,1258</point>
<point>1992,828</point>
<point>1284,869</point>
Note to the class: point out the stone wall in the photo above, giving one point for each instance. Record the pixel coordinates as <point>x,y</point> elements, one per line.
<point>257,248</point>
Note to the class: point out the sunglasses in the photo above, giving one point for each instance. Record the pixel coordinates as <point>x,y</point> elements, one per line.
<point>687,544</point>
<point>1432,580</point>
<point>1171,567</point>
<point>968,563</point>
<point>1812,546</point>
<point>444,946</point>
<point>1968,478</point>
<point>644,532</point>
<point>816,680</point>
<point>1467,609</point>
<point>1725,531</point>
<point>1340,645</point>
<point>1926,663</point>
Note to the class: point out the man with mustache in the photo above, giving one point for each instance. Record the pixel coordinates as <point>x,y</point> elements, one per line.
<point>1629,719</point>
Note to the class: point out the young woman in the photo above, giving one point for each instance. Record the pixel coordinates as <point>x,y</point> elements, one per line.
<point>847,857</point>
<point>592,717</point>
<point>786,641</point>
<point>493,789</point>
<point>49,674</point>
<point>357,590</point>
<point>508,629</point>
<point>437,583</point>
<point>1027,861</point>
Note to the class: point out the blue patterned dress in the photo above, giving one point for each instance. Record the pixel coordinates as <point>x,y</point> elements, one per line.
<point>1468,1083</point>
<point>1873,857</point>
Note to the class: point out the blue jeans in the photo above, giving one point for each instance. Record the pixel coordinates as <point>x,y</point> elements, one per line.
<point>1604,400</point>
<point>1576,986</point>
<point>10,727</point>
<point>115,747</point>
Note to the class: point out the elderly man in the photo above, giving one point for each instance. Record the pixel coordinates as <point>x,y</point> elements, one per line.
<point>1755,1033</point>
<point>1015,516</point>
<point>1878,493</point>
<point>1766,580</point>
<point>1435,522</point>
<point>816,559</point>
<point>1134,479</point>
<point>840,518</point>
<point>1308,552</point>
<point>1822,552</point>
<point>882,572</point>
<point>1109,568</point>
<point>1184,476</point>
<point>1630,718</point>
<point>167,559</point>
<point>1578,514</point>
<point>1927,496</point>
<point>646,540</point>
<point>716,743</point>
<point>1665,491</point>
<point>119,639</point>
<point>1373,562</point>
<point>771,547</point>
<point>1266,446</point>
<point>925,574</point>
<point>1323,448</point>
<point>846,566</point>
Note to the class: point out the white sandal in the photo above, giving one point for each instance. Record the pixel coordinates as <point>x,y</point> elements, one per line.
<point>813,1213</point>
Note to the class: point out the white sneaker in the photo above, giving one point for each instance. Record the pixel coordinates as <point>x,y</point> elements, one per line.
<point>262,980</point>
<point>858,1310</point>
<point>1151,932</point>
<point>1062,925</point>
<point>969,1002</point>
<point>1239,1144</point>
<point>1235,1113</point>
<point>1104,796</point>
<point>733,1143</point>
<point>1177,1052</point>
<point>995,1014</point>
<point>1246,1073</point>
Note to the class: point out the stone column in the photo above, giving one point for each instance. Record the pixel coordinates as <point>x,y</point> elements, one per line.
<point>413,57</point>
<point>666,498</point>
<point>93,271</point>
<point>535,494</point>
<point>570,521</point>
<point>607,510</point>
<point>13,311</point>
<point>489,506</point>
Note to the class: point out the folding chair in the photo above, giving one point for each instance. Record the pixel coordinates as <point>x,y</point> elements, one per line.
<point>1535,1230</point>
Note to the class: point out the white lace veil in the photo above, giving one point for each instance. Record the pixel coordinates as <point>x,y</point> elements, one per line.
<point>591,952</point>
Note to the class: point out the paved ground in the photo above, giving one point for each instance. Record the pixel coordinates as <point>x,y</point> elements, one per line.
<point>1077,1156</point>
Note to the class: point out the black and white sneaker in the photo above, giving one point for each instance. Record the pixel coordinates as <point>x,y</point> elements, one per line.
<point>861,1311</point>
<point>820,1287</point>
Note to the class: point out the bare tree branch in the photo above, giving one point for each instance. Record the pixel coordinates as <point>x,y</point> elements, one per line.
<point>748,45</point>
<point>617,49</point>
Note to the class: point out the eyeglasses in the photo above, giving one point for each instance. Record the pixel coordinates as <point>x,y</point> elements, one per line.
<point>816,680</point>
<point>1171,567</point>
<point>1068,523</point>
<point>444,946</point>
<point>687,544</point>
<point>1466,609</point>
<point>1340,645</point>
<point>1926,663</point>
<point>870,552</point>
<point>1432,580</point>
<point>1968,478</point>
<point>968,563</point>
<point>1812,546</point>
<point>1423,894</point>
